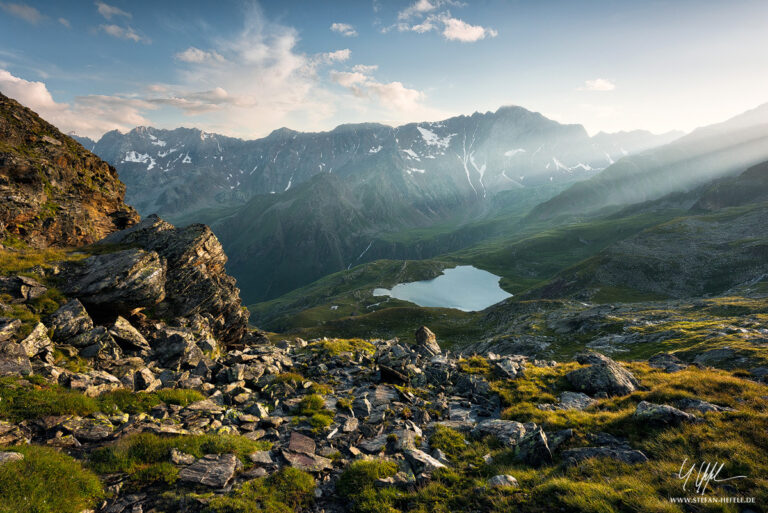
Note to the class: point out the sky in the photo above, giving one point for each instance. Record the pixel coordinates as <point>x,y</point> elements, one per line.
<point>244,68</point>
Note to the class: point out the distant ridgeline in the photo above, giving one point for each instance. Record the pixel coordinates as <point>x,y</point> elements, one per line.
<point>293,207</point>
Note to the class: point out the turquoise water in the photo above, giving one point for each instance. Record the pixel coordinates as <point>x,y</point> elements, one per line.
<point>464,288</point>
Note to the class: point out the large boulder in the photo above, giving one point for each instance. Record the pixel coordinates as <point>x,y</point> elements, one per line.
<point>509,432</point>
<point>8,328</point>
<point>176,348</point>
<point>420,461</point>
<point>426,342</point>
<point>196,281</point>
<point>602,377</point>
<point>13,359</point>
<point>503,481</point>
<point>660,414</point>
<point>533,448</point>
<point>70,321</point>
<point>21,288</point>
<point>10,457</point>
<point>117,282</point>
<point>38,344</point>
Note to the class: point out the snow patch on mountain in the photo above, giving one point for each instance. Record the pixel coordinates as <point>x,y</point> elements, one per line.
<point>165,153</point>
<point>134,156</point>
<point>432,139</point>
<point>375,150</point>
<point>479,169</point>
<point>512,153</point>
<point>412,154</point>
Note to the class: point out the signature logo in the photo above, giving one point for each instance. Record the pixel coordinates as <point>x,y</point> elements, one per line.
<point>707,473</point>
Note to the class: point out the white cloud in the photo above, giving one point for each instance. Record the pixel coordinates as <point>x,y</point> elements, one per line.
<point>108,11</point>
<point>365,68</point>
<point>23,11</point>
<point>202,101</point>
<point>89,115</point>
<point>124,33</point>
<point>345,29</point>
<point>598,84</point>
<point>459,30</point>
<point>349,79</point>
<point>65,22</point>
<point>195,55</point>
<point>337,56</point>
<point>243,85</point>
<point>260,81</point>
<point>427,15</point>
<point>392,96</point>
<point>416,9</point>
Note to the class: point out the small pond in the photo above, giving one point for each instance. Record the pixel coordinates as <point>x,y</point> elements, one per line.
<point>464,288</point>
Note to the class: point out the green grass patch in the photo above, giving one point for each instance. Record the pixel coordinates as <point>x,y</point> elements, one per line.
<point>46,481</point>
<point>179,396</point>
<point>475,365</point>
<point>285,491</point>
<point>335,347</point>
<point>23,400</point>
<point>135,454</point>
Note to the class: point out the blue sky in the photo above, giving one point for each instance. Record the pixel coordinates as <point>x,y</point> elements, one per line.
<point>245,68</point>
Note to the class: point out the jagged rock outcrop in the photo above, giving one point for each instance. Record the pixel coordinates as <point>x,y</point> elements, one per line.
<point>426,342</point>
<point>195,280</point>
<point>55,193</point>
<point>117,282</point>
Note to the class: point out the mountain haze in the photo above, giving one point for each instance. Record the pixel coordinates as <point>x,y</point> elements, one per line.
<point>707,153</point>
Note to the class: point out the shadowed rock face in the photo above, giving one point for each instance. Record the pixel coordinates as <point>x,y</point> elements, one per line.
<point>117,282</point>
<point>55,193</point>
<point>196,281</point>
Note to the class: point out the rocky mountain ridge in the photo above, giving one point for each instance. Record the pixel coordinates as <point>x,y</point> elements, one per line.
<point>173,172</point>
<point>54,192</point>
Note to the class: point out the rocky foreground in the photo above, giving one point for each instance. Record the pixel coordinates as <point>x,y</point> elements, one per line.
<point>137,362</point>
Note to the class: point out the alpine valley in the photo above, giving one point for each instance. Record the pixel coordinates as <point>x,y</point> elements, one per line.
<point>627,334</point>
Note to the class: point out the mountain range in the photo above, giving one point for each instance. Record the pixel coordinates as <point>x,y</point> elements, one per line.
<point>293,207</point>
<point>313,222</point>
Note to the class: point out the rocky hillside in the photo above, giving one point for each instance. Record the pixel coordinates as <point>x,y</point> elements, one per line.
<point>55,193</point>
<point>144,414</point>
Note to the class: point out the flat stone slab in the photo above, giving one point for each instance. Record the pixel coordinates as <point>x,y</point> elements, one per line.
<point>306,462</point>
<point>301,443</point>
<point>214,470</point>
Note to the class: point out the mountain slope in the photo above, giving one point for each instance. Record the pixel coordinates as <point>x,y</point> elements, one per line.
<point>55,193</point>
<point>718,150</point>
<point>720,244</point>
